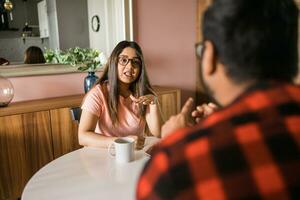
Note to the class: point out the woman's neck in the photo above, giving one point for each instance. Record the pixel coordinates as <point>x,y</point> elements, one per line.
<point>124,89</point>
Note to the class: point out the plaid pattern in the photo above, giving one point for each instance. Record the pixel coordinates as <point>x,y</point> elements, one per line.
<point>248,150</point>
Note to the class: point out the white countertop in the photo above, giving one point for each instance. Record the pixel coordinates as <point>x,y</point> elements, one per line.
<point>87,173</point>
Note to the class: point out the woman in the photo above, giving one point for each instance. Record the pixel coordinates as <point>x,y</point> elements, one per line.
<point>122,101</point>
<point>34,55</point>
<point>3,61</point>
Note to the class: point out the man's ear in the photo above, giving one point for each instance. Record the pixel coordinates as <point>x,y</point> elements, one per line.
<point>209,60</point>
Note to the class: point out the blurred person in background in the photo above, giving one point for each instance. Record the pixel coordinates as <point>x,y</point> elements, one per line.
<point>34,55</point>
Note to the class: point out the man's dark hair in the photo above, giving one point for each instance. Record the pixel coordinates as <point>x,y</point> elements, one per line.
<point>254,39</point>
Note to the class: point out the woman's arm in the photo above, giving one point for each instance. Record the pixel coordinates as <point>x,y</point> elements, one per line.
<point>154,119</point>
<point>87,135</point>
<point>153,116</point>
<point>86,132</point>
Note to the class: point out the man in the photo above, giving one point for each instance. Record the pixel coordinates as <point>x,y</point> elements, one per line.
<point>249,148</point>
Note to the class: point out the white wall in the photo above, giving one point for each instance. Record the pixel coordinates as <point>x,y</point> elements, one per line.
<point>53,24</point>
<point>98,40</point>
<point>112,28</point>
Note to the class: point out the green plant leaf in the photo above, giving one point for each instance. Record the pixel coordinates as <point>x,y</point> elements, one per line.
<point>86,58</point>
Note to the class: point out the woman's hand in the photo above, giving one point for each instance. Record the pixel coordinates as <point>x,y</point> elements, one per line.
<point>145,100</point>
<point>138,140</point>
<point>203,111</point>
<point>153,115</point>
<point>133,137</point>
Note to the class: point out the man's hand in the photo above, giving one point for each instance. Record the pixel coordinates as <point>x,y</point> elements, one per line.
<point>178,121</point>
<point>203,111</point>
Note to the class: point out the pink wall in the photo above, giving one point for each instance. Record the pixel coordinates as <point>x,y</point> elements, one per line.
<point>39,87</point>
<point>165,29</point>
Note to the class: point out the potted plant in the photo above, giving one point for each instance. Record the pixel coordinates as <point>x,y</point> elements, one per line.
<point>86,59</point>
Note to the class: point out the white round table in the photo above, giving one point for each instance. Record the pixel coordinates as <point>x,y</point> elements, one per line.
<point>87,173</point>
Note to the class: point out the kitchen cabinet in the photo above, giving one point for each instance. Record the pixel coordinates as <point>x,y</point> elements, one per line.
<point>33,133</point>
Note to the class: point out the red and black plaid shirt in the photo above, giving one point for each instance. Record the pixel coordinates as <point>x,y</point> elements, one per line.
<point>247,150</point>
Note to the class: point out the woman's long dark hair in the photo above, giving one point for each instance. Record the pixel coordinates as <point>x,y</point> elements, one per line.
<point>139,87</point>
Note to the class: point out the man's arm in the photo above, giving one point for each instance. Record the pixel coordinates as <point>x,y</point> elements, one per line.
<point>155,181</point>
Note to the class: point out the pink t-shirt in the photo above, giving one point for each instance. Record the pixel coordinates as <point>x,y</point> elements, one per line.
<point>129,122</point>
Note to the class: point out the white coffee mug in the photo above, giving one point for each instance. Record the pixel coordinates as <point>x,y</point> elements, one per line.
<point>123,149</point>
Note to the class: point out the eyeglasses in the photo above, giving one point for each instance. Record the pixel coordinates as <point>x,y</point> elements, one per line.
<point>136,62</point>
<point>199,48</point>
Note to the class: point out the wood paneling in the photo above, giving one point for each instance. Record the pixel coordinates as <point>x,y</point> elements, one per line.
<point>64,132</point>
<point>25,146</point>
<point>41,105</point>
<point>169,101</point>
<point>169,104</point>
